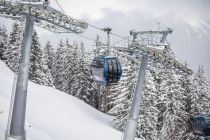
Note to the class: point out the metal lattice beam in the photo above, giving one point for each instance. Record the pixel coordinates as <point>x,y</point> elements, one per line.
<point>151,37</point>
<point>45,17</point>
<point>158,55</point>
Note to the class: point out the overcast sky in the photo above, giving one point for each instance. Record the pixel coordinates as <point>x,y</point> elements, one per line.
<point>189,19</point>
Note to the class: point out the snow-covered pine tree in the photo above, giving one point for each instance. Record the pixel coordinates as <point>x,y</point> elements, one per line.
<point>49,55</point>
<point>3,41</point>
<point>75,88</point>
<point>69,63</point>
<point>82,82</point>
<point>47,77</point>
<point>47,62</point>
<point>186,82</point>
<point>201,94</point>
<point>98,43</point>
<point>36,69</point>
<point>58,70</point>
<point>160,78</point>
<point>172,105</point>
<point>12,52</point>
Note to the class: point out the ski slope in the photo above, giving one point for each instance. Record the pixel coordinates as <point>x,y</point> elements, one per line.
<point>54,115</point>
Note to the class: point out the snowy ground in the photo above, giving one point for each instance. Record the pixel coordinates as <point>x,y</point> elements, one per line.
<point>53,115</point>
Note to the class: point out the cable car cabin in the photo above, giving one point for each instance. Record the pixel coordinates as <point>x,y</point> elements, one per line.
<point>201,126</point>
<point>106,70</point>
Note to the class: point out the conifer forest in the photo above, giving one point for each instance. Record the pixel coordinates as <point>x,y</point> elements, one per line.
<point>170,97</point>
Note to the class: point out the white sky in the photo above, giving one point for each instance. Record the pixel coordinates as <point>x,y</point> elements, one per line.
<point>92,9</point>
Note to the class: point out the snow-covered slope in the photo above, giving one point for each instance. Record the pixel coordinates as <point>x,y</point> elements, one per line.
<point>54,115</point>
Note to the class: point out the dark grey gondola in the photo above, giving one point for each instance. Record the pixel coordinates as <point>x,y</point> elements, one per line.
<point>201,125</point>
<point>106,70</point>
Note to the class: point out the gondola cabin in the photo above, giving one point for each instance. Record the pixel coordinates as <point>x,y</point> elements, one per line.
<point>201,126</point>
<point>106,70</point>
